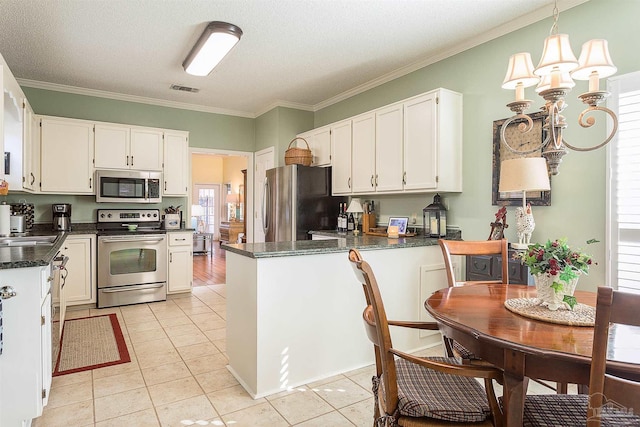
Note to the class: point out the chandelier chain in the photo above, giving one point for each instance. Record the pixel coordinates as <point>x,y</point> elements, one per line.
<point>556,15</point>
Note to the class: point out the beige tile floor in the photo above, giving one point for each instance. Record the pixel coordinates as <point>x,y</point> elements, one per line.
<point>177,377</point>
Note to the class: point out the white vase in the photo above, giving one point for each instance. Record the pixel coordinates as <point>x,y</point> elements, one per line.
<point>550,297</point>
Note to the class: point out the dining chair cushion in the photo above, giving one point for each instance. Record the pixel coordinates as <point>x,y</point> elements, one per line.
<point>569,410</point>
<point>463,352</point>
<point>424,392</point>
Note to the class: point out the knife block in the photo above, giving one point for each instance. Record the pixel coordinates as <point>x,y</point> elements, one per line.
<point>368,222</point>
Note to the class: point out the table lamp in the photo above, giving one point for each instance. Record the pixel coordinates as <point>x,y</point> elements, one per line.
<point>196,212</point>
<point>522,175</point>
<point>355,207</point>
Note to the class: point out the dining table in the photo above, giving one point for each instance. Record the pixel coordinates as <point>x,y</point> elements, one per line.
<point>488,320</point>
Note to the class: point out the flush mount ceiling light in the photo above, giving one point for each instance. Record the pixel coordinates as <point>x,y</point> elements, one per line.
<point>555,75</point>
<point>213,45</point>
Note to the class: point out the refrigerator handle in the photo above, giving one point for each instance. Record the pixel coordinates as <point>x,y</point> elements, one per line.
<point>265,194</point>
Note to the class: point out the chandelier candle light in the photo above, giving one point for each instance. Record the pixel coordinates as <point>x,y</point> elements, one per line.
<point>522,175</point>
<point>554,74</point>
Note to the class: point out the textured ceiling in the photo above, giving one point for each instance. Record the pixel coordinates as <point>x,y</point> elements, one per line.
<point>302,53</point>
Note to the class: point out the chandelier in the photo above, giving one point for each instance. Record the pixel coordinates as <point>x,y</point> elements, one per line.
<point>555,76</point>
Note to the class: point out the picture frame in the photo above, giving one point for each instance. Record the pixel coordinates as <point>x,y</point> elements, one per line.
<point>401,222</point>
<point>531,140</point>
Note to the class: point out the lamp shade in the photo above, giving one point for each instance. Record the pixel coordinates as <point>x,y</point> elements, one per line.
<point>524,174</point>
<point>355,206</point>
<point>557,53</point>
<point>520,70</point>
<point>562,80</point>
<point>232,198</point>
<point>594,57</point>
<point>213,45</point>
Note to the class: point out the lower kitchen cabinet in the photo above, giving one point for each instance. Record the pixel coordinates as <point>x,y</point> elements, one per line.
<point>80,282</point>
<point>433,276</point>
<point>26,361</point>
<point>180,262</point>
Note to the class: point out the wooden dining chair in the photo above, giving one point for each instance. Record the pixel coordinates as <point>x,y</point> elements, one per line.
<point>460,247</point>
<point>414,391</point>
<point>613,401</point>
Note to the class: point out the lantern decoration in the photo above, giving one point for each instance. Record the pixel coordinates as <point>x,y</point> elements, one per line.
<point>434,219</point>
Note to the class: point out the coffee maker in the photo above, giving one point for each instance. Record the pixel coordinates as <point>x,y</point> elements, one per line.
<point>61,216</point>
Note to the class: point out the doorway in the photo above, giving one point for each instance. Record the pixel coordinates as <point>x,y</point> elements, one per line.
<point>217,180</point>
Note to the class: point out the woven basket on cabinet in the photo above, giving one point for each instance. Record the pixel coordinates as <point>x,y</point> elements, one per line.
<point>298,156</point>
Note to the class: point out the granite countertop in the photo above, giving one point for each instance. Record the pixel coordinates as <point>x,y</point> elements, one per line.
<point>40,255</point>
<point>339,242</point>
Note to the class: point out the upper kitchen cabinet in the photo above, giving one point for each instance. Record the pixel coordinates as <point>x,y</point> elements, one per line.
<point>11,127</point>
<point>433,142</point>
<point>341,157</point>
<point>66,148</point>
<point>176,163</point>
<point>319,141</point>
<point>363,153</point>
<point>126,147</point>
<point>30,150</point>
<point>388,149</point>
<point>411,146</point>
<point>112,146</point>
<point>146,148</point>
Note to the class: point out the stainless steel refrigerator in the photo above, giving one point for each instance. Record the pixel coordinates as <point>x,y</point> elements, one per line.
<point>297,199</point>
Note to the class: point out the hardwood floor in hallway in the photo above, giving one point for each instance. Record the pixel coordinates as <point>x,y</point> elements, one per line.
<point>210,269</point>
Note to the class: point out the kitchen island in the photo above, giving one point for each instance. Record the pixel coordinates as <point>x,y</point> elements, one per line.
<point>294,309</point>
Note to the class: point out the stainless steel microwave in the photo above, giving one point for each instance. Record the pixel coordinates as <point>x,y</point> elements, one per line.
<point>121,186</point>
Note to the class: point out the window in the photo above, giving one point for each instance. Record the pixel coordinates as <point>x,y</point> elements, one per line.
<point>207,196</point>
<point>624,185</point>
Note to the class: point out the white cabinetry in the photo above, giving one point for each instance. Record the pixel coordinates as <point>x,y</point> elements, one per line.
<point>126,147</point>
<point>341,157</point>
<point>31,150</point>
<point>411,146</point>
<point>66,156</point>
<point>112,144</point>
<point>319,141</point>
<point>388,149</point>
<point>363,153</point>
<point>180,262</point>
<point>146,149</point>
<point>25,364</point>
<point>79,283</point>
<point>176,163</point>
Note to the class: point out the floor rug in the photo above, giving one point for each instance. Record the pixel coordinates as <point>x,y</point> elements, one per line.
<point>91,343</point>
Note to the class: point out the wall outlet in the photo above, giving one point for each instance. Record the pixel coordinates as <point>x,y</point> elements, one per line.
<point>414,218</point>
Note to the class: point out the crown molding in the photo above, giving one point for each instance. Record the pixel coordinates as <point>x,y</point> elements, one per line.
<point>494,33</point>
<point>285,104</point>
<point>131,98</point>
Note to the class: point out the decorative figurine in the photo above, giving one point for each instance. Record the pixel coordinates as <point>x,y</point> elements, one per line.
<point>499,225</point>
<point>524,225</point>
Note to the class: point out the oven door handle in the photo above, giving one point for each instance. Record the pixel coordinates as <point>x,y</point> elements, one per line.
<point>132,240</point>
<point>132,288</point>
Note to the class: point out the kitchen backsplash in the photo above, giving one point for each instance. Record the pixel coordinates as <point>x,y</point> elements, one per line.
<point>83,207</point>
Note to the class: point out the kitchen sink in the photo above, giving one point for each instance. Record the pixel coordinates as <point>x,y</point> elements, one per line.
<point>28,241</point>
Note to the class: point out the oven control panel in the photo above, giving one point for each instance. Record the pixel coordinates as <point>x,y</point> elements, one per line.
<point>128,215</point>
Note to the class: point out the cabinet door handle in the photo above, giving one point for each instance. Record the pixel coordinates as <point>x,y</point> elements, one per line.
<point>131,160</point>
<point>165,186</point>
<point>90,182</point>
<point>376,180</point>
<point>404,178</point>
<point>349,183</point>
<point>127,160</point>
<point>170,257</point>
<point>33,178</point>
<point>7,292</point>
<point>372,180</point>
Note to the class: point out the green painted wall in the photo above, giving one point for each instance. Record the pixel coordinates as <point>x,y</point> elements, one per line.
<point>277,127</point>
<point>578,192</point>
<point>206,130</point>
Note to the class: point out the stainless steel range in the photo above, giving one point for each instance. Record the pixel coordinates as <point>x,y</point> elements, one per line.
<point>132,257</point>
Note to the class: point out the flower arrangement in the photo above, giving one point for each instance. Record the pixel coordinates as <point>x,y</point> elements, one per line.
<point>557,260</point>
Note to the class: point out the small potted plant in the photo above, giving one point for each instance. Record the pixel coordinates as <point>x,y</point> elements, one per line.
<point>556,269</point>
